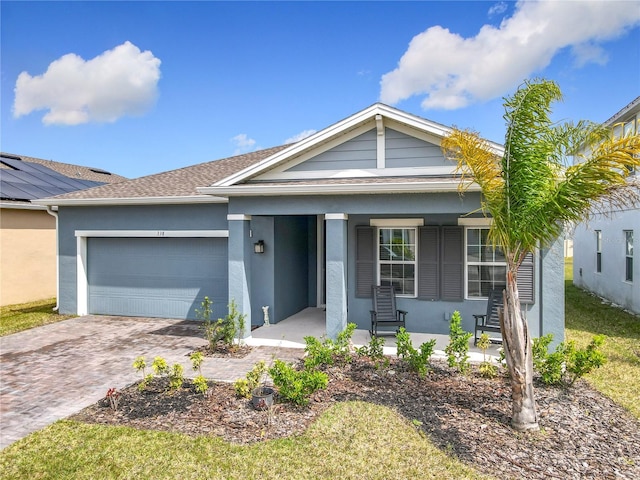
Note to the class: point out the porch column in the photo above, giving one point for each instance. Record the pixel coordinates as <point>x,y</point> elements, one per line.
<point>336,253</point>
<point>240,250</point>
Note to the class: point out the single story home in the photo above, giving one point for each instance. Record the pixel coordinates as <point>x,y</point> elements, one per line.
<point>27,231</point>
<point>368,200</point>
<point>603,253</point>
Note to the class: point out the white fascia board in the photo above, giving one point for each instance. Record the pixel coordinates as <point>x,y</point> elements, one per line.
<point>336,189</point>
<point>152,233</point>
<point>475,221</point>
<point>89,202</point>
<point>22,206</point>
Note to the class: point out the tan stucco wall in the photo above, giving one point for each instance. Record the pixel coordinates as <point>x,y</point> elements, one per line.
<point>27,256</point>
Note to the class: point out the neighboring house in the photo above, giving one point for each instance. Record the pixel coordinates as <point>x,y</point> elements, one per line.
<point>27,231</point>
<point>604,261</point>
<point>369,200</point>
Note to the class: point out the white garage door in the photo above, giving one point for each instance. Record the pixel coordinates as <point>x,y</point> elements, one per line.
<point>156,277</point>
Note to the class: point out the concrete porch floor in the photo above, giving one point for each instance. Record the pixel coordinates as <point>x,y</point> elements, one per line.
<point>290,333</point>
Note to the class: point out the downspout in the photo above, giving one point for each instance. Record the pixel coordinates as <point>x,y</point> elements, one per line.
<point>541,296</point>
<point>55,215</point>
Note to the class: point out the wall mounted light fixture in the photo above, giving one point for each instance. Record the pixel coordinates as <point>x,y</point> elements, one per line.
<point>258,247</point>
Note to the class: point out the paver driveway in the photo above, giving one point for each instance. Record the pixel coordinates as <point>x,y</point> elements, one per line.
<point>53,371</point>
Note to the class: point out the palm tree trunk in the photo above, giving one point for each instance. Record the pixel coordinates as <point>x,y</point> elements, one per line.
<point>517,347</point>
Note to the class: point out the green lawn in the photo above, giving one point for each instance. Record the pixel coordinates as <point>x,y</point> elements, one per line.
<point>352,440</point>
<point>15,318</point>
<point>586,316</point>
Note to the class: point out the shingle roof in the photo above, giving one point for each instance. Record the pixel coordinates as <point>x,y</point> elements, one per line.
<point>70,170</point>
<point>175,183</point>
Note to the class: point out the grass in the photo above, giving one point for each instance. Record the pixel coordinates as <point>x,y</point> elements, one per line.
<point>585,316</point>
<point>16,318</point>
<point>351,440</point>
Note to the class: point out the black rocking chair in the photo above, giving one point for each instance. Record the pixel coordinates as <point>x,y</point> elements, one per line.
<point>385,313</point>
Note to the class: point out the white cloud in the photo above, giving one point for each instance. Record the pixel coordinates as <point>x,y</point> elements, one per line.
<point>243,143</point>
<point>498,9</point>
<point>300,136</point>
<point>453,72</point>
<point>118,82</point>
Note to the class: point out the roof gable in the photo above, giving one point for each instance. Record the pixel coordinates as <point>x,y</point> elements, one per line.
<point>369,125</point>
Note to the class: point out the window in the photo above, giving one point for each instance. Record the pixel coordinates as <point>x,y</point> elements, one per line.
<point>628,237</point>
<point>486,266</point>
<point>598,251</point>
<point>397,259</point>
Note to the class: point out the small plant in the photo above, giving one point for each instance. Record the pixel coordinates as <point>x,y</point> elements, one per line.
<point>201,384</point>
<point>114,398</point>
<point>418,360</point>
<point>458,348</point>
<point>297,386</point>
<point>160,366</point>
<point>374,350</point>
<point>328,352</point>
<point>224,330</point>
<point>176,376</point>
<point>196,361</point>
<point>567,363</point>
<point>487,369</point>
<point>140,365</point>
<point>244,386</point>
<point>205,311</point>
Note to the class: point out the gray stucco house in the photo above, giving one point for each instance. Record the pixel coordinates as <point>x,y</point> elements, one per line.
<point>368,200</point>
<point>603,249</point>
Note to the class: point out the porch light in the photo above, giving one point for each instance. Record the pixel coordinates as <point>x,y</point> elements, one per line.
<point>258,247</point>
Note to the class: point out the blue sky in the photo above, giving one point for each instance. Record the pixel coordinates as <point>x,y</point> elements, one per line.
<point>142,87</point>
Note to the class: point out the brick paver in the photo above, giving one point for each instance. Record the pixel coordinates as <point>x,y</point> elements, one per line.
<point>50,372</point>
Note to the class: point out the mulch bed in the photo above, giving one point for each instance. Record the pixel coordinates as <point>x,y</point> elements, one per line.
<point>583,434</point>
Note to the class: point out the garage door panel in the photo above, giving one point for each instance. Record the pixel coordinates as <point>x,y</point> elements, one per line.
<point>156,277</point>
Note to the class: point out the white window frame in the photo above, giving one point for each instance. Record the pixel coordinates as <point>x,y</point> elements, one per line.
<point>467,263</point>
<point>398,224</point>
<point>628,257</point>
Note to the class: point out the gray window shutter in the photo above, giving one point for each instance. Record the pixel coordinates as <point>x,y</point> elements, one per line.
<point>525,280</point>
<point>428,263</point>
<point>365,260</point>
<point>452,274</point>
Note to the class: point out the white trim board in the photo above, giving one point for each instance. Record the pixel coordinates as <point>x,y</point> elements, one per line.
<point>153,233</point>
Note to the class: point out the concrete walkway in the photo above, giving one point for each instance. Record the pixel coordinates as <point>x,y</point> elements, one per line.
<point>51,372</point>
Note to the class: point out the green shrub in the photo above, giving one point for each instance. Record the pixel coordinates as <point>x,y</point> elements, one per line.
<point>458,348</point>
<point>296,386</point>
<point>374,349</point>
<point>223,330</point>
<point>201,384</point>
<point>328,352</point>
<point>567,363</point>
<point>160,366</point>
<point>487,369</point>
<point>176,376</point>
<point>244,386</point>
<point>418,360</point>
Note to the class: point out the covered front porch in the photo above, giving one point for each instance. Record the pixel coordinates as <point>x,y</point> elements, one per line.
<point>290,333</point>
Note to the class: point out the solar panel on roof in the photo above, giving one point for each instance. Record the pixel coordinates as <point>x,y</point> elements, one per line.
<point>29,181</point>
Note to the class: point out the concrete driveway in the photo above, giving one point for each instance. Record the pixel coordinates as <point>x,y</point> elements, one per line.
<point>53,371</point>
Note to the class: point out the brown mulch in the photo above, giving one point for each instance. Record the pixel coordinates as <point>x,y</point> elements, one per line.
<point>223,350</point>
<point>583,434</point>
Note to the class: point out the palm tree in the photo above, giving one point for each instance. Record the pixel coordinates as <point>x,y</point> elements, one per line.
<point>531,194</point>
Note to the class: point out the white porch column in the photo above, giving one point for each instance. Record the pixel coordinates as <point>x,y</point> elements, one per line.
<point>336,253</point>
<point>240,251</point>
